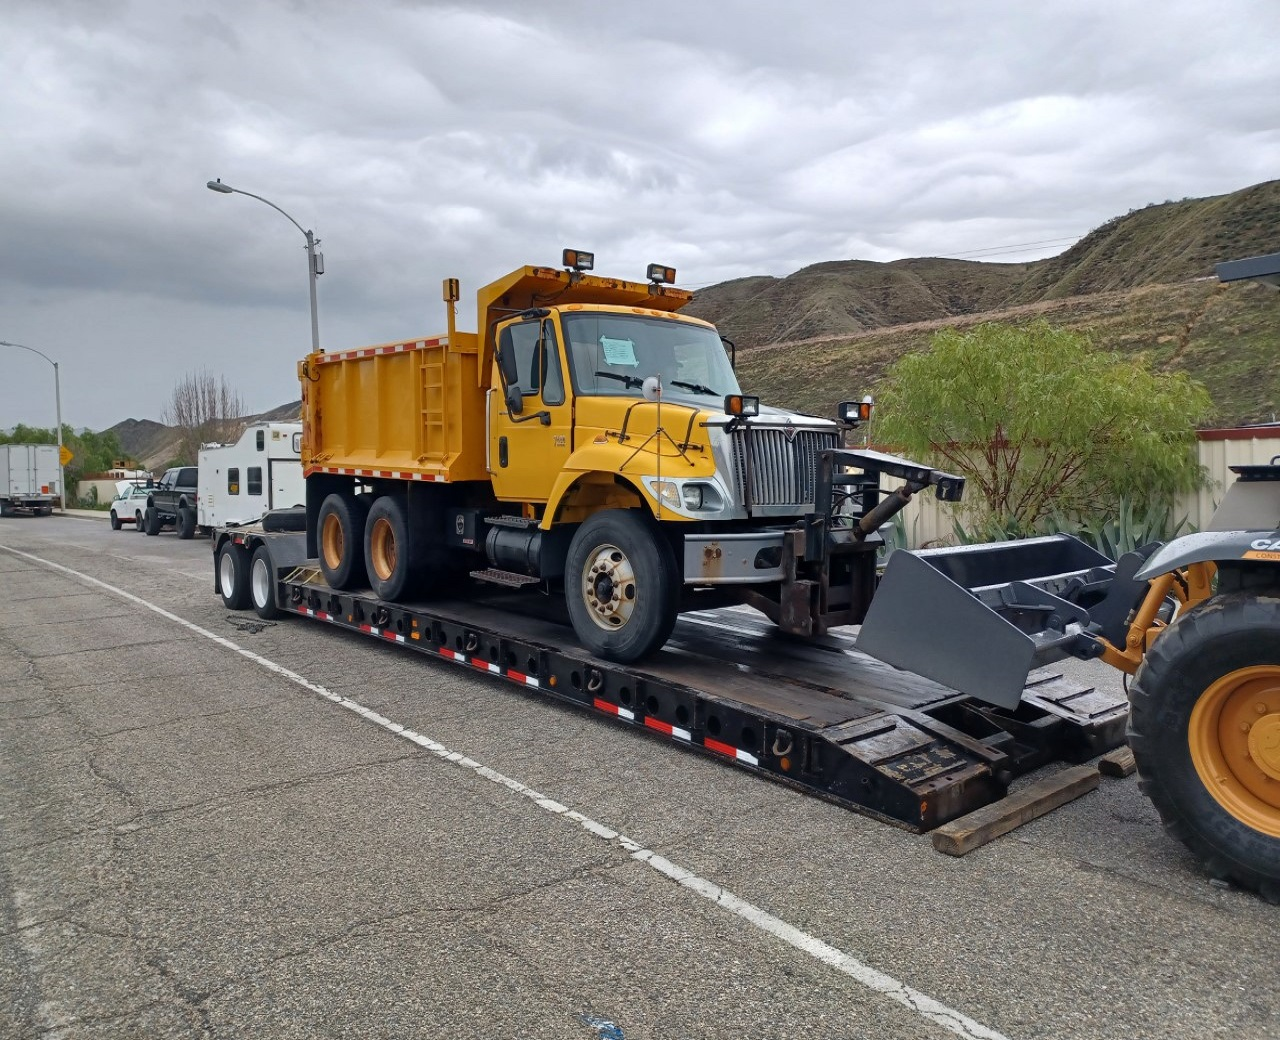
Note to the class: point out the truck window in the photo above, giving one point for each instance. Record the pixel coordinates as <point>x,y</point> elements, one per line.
<point>297,443</point>
<point>262,441</point>
<point>612,354</point>
<point>233,480</point>
<point>255,480</point>
<point>187,477</point>
<point>537,359</point>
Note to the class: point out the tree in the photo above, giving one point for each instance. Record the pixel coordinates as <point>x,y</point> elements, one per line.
<point>203,408</point>
<point>1039,422</point>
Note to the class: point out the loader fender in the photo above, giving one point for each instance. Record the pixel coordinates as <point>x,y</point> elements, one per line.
<point>1216,546</point>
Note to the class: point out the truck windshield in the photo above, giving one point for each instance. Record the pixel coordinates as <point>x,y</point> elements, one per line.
<point>613,354</point>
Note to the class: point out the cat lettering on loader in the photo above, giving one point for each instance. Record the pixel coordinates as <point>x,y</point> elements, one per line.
<point>1195,622</point>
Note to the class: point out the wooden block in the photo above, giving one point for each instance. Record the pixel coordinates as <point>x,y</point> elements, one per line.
<point>1117,763</point>
<point>983,825</point>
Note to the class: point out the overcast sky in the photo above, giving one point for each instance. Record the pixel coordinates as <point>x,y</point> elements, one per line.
<point>421,140</point>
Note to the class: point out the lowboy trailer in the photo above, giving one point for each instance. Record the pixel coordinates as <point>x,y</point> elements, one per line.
<point>815,714</point>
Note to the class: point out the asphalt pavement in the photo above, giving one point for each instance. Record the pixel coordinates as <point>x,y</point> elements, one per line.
<point>214,826</point>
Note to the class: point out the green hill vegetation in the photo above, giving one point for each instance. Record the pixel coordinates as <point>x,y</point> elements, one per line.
<point>1141,282</point>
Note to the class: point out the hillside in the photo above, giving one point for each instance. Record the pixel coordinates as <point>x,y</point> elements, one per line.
<point>153,444</point>
<point>1169,242</point>
<point>1226,336</point>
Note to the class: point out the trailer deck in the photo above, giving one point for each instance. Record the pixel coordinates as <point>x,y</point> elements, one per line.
<point>815,714</point>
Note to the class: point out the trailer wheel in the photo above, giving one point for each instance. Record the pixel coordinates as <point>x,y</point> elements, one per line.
<point>1204,726</point>
<point>390,557</point>
<point>233,575</point>
<point>115,521</point>
<point>151,521</point>
<point>186,522</point>
<point>621,586</point>
<point>262,584</point>
<point>341,522</point>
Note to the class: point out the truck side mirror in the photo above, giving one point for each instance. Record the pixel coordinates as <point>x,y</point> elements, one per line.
<point>515,399</point>
<point>507,364</point>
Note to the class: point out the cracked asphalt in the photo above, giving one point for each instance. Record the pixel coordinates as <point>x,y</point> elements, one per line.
<point>191,845</point>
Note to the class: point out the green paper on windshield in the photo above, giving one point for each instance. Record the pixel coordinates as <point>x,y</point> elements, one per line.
<point>619,352</point>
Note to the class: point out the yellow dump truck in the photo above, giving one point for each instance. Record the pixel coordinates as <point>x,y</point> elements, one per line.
<point>587,438</point>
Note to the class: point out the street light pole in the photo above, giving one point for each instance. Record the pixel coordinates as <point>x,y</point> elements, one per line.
<point>57,397</point>
<point>315,260</point>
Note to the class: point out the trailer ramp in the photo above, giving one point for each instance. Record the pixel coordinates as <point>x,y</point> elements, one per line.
<point>821,717</point>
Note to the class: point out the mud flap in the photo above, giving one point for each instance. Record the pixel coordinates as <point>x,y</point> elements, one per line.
<point>923,622</point>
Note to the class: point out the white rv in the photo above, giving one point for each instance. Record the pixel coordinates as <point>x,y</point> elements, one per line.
<point>262,470</point>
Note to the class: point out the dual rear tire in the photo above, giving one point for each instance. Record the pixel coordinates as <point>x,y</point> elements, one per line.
<point>245,580</point>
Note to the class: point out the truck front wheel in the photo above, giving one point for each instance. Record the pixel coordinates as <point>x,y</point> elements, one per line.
<point>341,522</point>
<point>1204,726</point>
<point>389,555</point>
<point>621,586</point>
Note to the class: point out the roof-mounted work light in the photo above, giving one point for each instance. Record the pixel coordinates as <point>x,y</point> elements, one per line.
<point>658,274</point>
<point>577,260</point>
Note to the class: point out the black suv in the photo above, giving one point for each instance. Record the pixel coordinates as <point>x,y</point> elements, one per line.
<point>173,501</point>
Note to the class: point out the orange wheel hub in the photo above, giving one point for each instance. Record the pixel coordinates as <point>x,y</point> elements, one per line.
<point>1234,737</point>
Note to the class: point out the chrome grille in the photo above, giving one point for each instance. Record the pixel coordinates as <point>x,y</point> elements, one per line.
<point>781,472</point>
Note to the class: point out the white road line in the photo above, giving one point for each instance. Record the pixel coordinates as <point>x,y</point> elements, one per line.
<point>899,992</point>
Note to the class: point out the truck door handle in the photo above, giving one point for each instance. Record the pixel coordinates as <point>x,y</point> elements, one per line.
<point>502,452</point>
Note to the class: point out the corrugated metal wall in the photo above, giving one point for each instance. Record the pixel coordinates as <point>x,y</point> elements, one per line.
<point>928,521</point>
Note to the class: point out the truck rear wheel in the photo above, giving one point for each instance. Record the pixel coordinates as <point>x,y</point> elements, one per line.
<point>262,584</point>
<point>151,521</point>
<point>341,523</point>
<point>186,522</point>
<point>1204,726</point>
<point>390,557</point>
<point>115,521</point>
<point>621,586</point>
<point>233,575</point>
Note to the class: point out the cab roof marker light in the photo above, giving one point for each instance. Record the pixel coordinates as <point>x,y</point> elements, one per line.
<point>578,260</point>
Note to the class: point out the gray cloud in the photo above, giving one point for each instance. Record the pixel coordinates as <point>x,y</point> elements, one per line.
<point>421,140</point>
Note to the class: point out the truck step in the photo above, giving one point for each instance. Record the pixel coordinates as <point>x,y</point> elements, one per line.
<point>510,579</point>
<point>518,522</point>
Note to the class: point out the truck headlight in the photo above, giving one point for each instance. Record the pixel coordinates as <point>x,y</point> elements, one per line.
<point>692,495</point>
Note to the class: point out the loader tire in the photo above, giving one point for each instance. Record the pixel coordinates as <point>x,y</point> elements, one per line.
<point>233,575</point>
<point>341,523</point>
<point>292,519</point>
<point>391,558</point>
<point>1204,726</point>
<point>621,585</point>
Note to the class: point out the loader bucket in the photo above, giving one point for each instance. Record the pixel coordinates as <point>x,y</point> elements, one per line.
<point>978,618</point>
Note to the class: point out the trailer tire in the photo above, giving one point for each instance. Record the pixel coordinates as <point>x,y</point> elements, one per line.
<point>151,521</point>
<point>262,584</point>
<point>1204,726</point>
<point>186,522</point>
<point>391,559</point>
<point>233,575</point>
<point>621,585</point>
<point>115,521</point>
<point>341,525</point>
